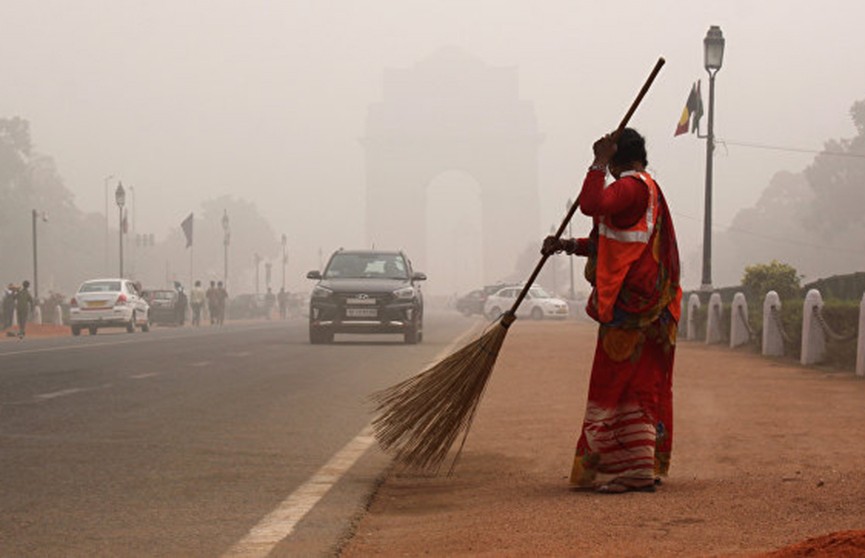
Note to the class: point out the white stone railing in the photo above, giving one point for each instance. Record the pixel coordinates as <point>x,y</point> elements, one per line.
<point>693,306</point>
<point>740,327</point>
<point>815,330</point>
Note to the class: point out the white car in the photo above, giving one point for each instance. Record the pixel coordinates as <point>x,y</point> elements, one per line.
<point>108,303</point>
<point>537,305</point>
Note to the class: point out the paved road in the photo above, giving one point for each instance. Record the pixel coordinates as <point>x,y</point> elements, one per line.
<point>178,442</point>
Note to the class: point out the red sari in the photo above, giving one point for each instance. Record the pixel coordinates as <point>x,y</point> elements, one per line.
<point>628,427</point>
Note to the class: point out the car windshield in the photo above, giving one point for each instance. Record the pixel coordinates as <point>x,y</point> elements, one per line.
<point>100,287</point>
<point>538,292</point>
<point>365,266</point>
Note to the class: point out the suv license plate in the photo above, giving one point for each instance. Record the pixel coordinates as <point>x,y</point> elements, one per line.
<point>361,312</point>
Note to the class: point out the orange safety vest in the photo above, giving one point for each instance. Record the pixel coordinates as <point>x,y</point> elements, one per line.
<point>618,249</point>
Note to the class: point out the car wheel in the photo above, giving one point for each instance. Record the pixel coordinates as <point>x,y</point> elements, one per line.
<point>92,330</point>
<point>537,313</point>
<point>145,327</point>
<point>319,336</point>
<point>412,335</point>
<point>130,327</point>
<point>76,330</point>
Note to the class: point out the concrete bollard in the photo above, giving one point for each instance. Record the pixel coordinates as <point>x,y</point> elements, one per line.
<point>773,339</point>
<point>740,329</point>
<point>813,336</point>
<point>860,344</point>
<point>713,322</point>
<point>693,306</point>
<point>36,316</point>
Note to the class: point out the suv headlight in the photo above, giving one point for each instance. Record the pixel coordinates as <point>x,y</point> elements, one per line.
<point>405,293</point>
<point>321,292</point>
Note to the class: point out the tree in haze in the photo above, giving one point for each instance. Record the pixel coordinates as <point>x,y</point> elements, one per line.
<point>69,243</point>
<point>812,219</point>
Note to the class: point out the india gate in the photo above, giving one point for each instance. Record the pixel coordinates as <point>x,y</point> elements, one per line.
<point>453,112</point>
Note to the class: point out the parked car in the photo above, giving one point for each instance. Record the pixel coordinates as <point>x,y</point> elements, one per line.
<point>537,305</point>
<point>366,291</point>
<point>103,303</point>
<point>473,302</point>
<point>167,307</point>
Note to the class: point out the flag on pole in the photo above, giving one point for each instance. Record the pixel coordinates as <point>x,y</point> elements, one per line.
<point>698,111</point>
<point>186,225</point>
<point>690,107</point>
<point>124,224</point>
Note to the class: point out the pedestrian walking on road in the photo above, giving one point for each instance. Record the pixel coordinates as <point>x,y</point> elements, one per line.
<point>210,295</point>
<point>633,266</point>
<point>221,297</point>
<point>23,307</point>
<point>196,300</point>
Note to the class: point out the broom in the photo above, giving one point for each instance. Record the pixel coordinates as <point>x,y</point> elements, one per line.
<point>420,418</point>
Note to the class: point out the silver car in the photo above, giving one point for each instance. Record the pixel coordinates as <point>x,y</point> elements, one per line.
<point>108,303</point>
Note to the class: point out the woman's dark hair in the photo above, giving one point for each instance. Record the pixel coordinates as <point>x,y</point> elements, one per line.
<point>630,147</point>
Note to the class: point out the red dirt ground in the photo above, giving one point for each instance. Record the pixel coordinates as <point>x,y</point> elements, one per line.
<point>33,330</point>
<point>767,454</point>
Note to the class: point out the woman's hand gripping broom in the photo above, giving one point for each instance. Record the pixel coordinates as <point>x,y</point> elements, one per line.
<point>420,418</point>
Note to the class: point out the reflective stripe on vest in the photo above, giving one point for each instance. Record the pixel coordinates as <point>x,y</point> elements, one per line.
<point>642,230</point>
<point>618,249</point>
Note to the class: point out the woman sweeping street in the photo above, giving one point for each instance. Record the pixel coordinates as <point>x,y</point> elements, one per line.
<point>633,266</point>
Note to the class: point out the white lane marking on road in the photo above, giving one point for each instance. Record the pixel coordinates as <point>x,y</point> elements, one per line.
<point>200,364</point>
<point>63,348</point>
<point>280,523</point>
<point>142,376</point>
<point>139,340</point>
<point>65,392</point>
<point>239,354</point>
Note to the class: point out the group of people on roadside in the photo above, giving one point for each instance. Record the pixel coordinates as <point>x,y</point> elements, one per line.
<point>214,299</point>
<point>17,302</point>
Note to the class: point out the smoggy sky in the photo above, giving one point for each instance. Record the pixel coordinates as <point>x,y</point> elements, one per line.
<point>188,100</point>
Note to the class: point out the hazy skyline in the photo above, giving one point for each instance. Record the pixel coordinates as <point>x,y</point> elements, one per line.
<point>188,101</point>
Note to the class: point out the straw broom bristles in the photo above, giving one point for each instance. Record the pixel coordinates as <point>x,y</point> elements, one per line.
<point>421,417</point>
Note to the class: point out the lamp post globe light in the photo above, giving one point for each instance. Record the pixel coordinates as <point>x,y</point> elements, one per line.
<point>713,57</point>
<point>225,241</point>
<point>120,198</point>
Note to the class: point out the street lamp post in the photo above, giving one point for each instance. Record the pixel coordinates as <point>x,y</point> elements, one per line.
<point>713,57</point>
<point>572,295</point>
<point>105,184</point>
<point>284,259</point>
<point>35,258</point>
<point>120,198</point>
<point>225,241</point>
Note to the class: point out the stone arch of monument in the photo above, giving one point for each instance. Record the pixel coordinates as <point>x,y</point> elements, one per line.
<point>453,112</point>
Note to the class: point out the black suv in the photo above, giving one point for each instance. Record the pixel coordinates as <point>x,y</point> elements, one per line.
<point>366,291</point>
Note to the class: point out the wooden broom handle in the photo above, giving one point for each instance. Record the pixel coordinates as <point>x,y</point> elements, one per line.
<point>509,316</point>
